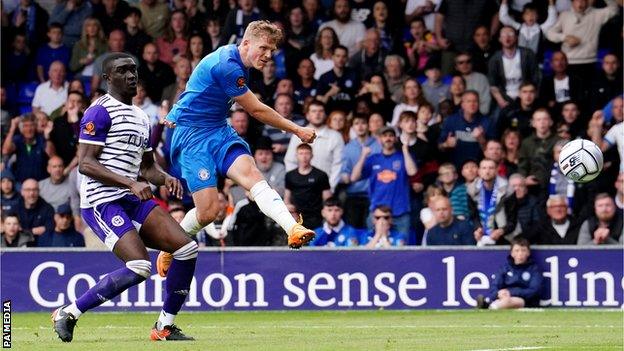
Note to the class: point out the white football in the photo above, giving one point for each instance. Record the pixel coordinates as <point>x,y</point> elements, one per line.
<point>580,160</point>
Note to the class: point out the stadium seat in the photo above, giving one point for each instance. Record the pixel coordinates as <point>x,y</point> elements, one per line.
<point>26,93</point>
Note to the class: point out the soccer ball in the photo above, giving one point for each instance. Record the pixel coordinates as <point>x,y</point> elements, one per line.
<point>580,160</point>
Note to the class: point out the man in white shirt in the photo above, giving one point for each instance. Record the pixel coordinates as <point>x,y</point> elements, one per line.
<point>52,94</point>
<point>350,33</point>
<point>327,150</point>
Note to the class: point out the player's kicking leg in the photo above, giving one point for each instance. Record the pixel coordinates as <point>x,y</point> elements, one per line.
<point>242,170</point>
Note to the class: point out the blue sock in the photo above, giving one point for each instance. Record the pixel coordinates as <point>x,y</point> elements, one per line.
<point>110,286</point>
<point>178,284</point>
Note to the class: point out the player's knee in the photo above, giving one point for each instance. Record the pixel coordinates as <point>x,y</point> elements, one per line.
<point>186,252</point>
<point>140,267</point>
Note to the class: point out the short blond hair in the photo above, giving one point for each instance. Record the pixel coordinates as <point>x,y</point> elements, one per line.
<point>259,29</point>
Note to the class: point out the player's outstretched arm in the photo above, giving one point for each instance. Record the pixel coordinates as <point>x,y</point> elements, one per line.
<point>269,116</point>
<point>151,171</point>
<point>89,165</point>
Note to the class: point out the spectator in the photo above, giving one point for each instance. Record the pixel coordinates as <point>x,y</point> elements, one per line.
<point>65,130</point>
<point>421,46</point>
<point>369,59</point>
<point>375,92</point>
<point>136,38</point>
<point>174,43</point>
<point>558,183</point>
<point>196,51</point>
<point>456,21</point>
<point>268,84</point>
<point>338,87</point>
<point>284,105</point>
<point>448,230</point>
<point>509,67</point>
<point>413,97</point>
<point>487,204</point>
<point>375,123</point>
<point>10,197</point>
<point>531,32</point>
<point>517,115</point>
<point>474,81</point>
<point>299,39</point>
<point>357,201</point>
<point>54,50</point>
<point>337,121</point>
<point>561,86</point>
<point>434,89</point>
<point>457,195</point>
<point>387,173</point>
<point>578,29</point>
<point>456,90</point>
<point>145,103</point>
<point>116,43</point>
<point>526,208</point>
<point>517,284</point>
<point>570,120</point>
<point>619,195</point>
<point>469,171</point>
<point>29,147</point>
<point>182,70</point>
<point>214,35</point>
<point>13,235</point>
<point>382,235</point>
<point>51,94</point>
<point>64,234</point>
<point>305,85</point>
<point>426,214</point>
<point>428,128</point>
<point>334,232</point>
<point>423,9</point>
<point>535,157</point>
<point>111,13</point>
<point>155,16</point>
<point>324,45</point>
<point>482,49</point>
<point>35,215</point>
<point>155,73</point>
<point>196,16</point>
<point>608,83</point>
<point>58,190</point>
<point>17,62</point>
<point>394,66</point>
<point>87,48</point>
<point>240,121</point>
<point>464,134</point>
<point>389,37</point>
<point>511,148</point>
<point>71,14</point>
<point>252,228</point>
<point>327,153</point>
<point>559,228</point>
<point>350,33</point>
<point>238,18</point>
<point>30,19</point>
<point>494,151</point>
<point>307,187</point>
<point>604,226</point>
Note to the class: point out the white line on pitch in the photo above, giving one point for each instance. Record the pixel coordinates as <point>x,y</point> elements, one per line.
<point>515,348</point>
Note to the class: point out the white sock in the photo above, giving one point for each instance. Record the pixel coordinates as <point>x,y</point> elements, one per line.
<point>73,309</point>
<point>272,205</point>
<point>164,319</point>
<point>190,224</point>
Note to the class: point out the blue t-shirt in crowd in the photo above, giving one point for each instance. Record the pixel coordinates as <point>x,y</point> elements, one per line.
<point>206,101</point>
<point>467,145</point>
<point>340,236</point>
<point>388,182</point>
<point>350,156</point>
<point>46,55</point>
<point>395,238</point>
<point>460,232</point>
<point>68,238</point>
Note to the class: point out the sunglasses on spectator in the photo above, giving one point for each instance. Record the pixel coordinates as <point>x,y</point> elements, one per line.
<point>386,217</point>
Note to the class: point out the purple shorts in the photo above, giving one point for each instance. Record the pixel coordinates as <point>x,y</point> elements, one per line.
<point>111,220</point>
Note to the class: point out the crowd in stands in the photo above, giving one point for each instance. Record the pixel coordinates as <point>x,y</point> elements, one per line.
<point>438,122</point>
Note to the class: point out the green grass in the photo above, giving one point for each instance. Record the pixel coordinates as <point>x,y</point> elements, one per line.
<point>353,330</point>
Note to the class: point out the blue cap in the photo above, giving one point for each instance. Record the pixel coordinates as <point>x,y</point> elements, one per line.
<point>64,209</point>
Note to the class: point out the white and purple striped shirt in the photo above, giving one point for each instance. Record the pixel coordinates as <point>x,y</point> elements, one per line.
<point>123,130</point>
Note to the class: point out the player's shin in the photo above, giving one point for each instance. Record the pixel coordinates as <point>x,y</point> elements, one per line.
<point>272,205</point>
<point>111,285</point>
<point>178,283</point>
<point>190,224</point>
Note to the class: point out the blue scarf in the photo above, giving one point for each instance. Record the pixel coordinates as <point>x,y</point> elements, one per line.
<point>555,174</point>
<point>487,208</point>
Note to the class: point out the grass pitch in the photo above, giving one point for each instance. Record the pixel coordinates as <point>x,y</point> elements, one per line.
<point>548,329</point>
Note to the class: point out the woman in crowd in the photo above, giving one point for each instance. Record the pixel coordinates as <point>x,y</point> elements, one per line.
<point>91,45</point>
<point>326,41</point>
<point>412,98</point>
<point>174,43</point>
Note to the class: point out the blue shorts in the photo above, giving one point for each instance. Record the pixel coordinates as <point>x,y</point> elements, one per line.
<point>203,154</point>
<point>111,220</point>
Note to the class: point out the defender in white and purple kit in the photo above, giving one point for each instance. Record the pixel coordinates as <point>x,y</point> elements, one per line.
<point>113,151</point>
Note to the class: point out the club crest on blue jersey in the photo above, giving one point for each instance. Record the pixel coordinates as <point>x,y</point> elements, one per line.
<point>203,174</point>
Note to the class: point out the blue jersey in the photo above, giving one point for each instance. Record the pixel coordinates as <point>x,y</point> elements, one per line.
<point>388,182</point>
<point>217,79</point>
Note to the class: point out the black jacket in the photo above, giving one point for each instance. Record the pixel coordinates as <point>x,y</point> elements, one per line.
<point>528,64</point>
<point>545,234</point>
